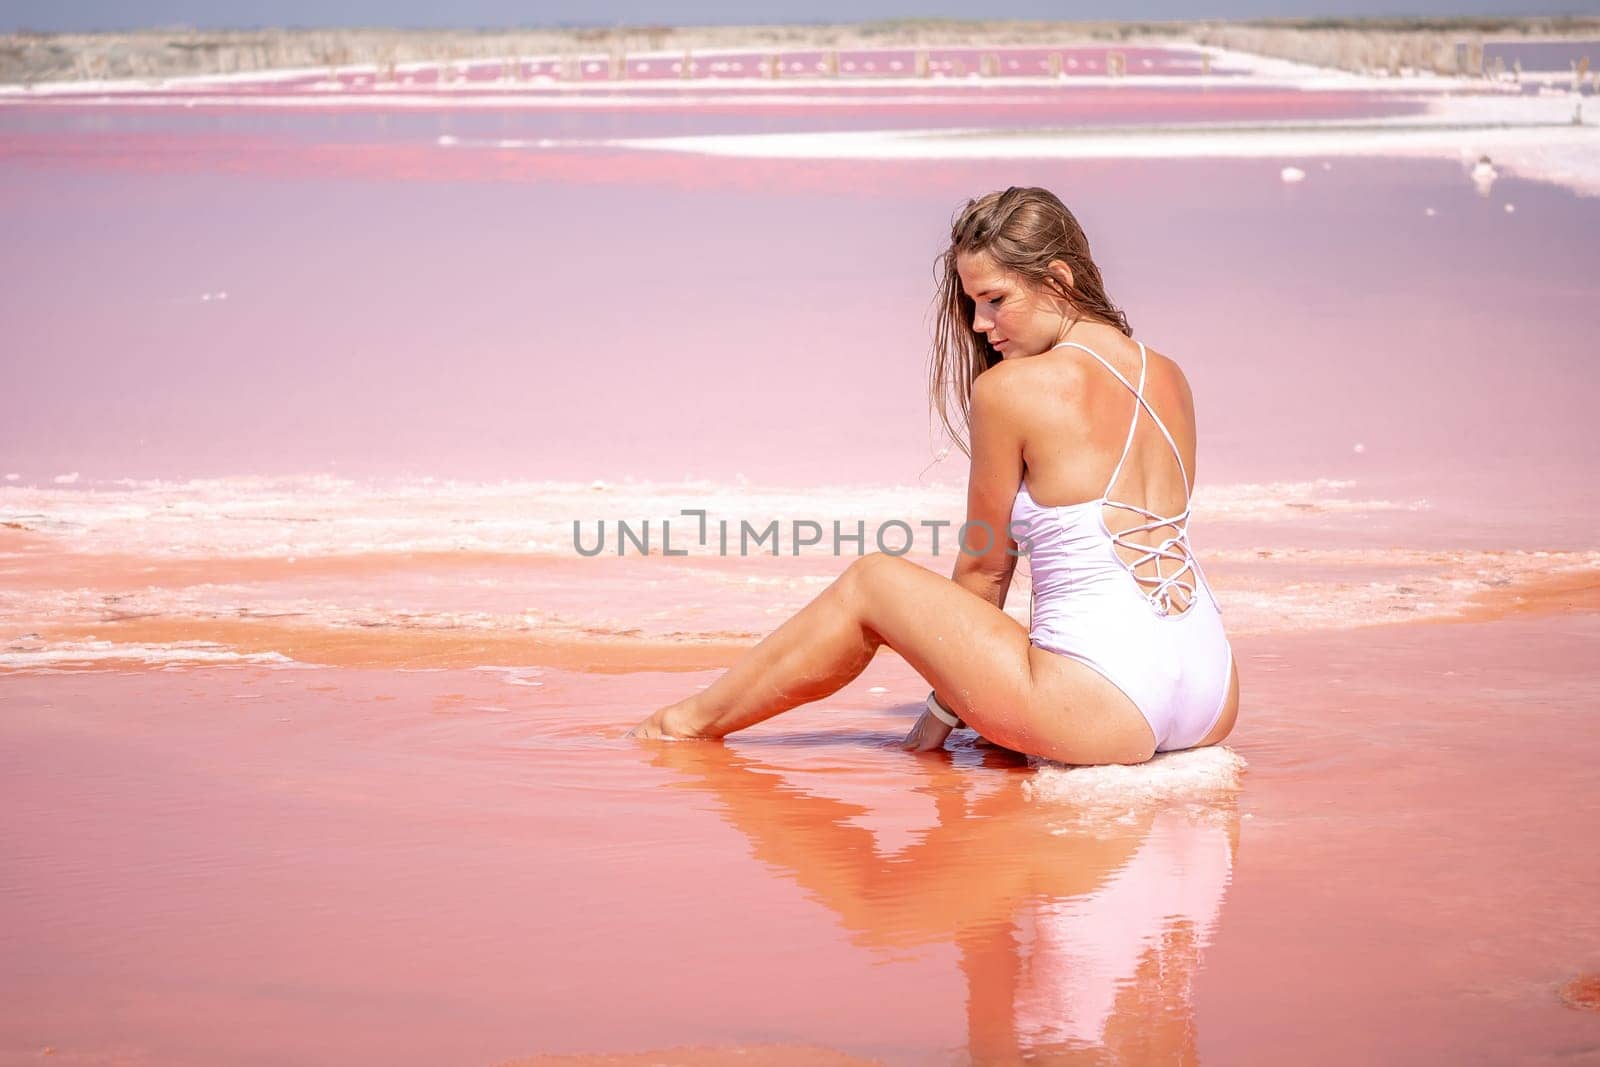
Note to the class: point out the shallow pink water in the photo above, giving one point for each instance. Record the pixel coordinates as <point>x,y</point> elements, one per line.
<point>254,866</point>
<point>404,825</point>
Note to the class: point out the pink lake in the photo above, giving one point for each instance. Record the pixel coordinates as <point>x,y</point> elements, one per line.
<point>311,717</point>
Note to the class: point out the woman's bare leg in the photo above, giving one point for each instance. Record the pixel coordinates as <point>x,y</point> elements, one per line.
<point>817,652</point>
<point>974,654</point>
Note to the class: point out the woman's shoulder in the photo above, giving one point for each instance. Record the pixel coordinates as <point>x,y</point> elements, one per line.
<point>1168,378</point>
<point>1020,388</point>
<point>1070,376</point>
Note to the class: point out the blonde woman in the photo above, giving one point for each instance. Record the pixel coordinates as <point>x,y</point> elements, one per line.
<point>1082,442</point>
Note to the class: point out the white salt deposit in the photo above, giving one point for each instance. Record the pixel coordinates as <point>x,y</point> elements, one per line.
<point>523,676</point>
<point>30,657</point>
<point>1521,133</point>
<point>1292,174</point>
<point>66,479</point>
<point>1483,173</point>
<point>319,514</point>
<point>1170,778</point>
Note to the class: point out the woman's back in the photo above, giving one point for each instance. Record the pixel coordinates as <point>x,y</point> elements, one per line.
<point>1075,426</point>
<point>1115,586</point>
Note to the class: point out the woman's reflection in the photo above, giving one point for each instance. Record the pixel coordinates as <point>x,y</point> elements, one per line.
<point>1078,937</point>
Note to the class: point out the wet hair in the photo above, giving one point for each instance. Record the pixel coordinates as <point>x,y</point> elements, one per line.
<point>1022,230</point>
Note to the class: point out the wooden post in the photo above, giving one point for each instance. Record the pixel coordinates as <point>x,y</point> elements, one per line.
<point>687,70</point>
<point>1055,64</point>
<point>1205,65</point>
<point>921,63</point>
<point>830,64</point>
<point>989,65</point>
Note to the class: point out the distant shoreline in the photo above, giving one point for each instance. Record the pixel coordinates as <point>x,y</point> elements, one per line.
<point>1361,45</point>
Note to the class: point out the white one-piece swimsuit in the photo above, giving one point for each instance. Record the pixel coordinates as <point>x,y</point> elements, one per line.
<point>1175,665</point>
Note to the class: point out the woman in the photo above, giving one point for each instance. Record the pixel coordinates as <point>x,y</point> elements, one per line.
<point>1126,656</point>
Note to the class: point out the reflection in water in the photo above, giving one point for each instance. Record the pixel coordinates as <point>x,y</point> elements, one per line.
<point>1076,936</point>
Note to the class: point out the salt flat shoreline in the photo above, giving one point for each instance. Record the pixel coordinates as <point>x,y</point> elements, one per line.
<point>1535,138</point>
<point>1362,45</point>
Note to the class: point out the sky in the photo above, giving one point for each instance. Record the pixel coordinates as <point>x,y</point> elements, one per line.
<point>66,15</point>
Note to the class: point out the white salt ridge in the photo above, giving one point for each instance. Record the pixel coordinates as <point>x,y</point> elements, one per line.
<point>405,71</point>
<point>316,515</point>
<point>1235,68</point>
<point>522,676</point>
<point>605,96</point>
<point>1262,591</point>
<point>23,659</point>
<point>1276,501</point>
<point>1193,776</point>
<point>1415,585</point>
<point>1530,137</point>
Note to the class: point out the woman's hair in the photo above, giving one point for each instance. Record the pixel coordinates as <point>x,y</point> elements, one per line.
<point>1022,230</point>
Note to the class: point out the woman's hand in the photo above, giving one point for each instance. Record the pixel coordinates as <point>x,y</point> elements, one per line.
<point>926,735</point>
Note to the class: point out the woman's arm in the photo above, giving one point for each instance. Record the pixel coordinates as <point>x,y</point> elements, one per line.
<point>985,559</point>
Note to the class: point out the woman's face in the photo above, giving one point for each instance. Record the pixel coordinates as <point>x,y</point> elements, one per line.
<point>1015,315</point>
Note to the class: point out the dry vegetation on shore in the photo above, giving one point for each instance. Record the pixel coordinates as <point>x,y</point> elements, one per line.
<point>1364,45</point>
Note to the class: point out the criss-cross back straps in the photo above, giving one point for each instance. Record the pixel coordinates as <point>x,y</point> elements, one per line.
<point>1174,548</point>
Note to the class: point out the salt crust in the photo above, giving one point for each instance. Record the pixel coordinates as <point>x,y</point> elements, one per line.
<point>1200,779</point>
